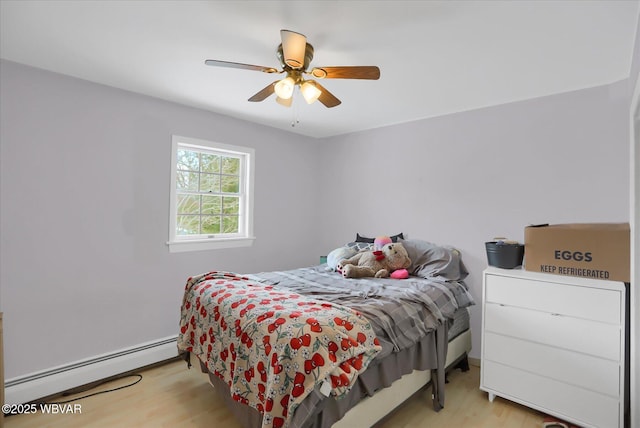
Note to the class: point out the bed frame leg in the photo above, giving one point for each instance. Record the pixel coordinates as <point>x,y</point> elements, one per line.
<point>463,365</point>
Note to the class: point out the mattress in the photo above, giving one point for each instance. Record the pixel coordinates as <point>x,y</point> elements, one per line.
<point>458,323</point>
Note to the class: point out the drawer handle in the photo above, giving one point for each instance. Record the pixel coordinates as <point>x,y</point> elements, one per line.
<point>553,314</point>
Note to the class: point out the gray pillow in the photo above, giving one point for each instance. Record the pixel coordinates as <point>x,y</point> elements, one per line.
<point>360,246</point>
<point>429,260</point>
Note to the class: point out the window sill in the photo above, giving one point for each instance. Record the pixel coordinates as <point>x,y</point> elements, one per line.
<point>208,244</point>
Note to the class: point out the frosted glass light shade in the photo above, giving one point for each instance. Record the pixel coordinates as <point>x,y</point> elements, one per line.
<point>310,92</point>
<point>284,88</point>
<point>284,102</point>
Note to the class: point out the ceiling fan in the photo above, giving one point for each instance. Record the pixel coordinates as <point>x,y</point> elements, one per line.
<point>295,55</point>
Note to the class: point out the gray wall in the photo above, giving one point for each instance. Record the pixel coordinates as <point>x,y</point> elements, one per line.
<point>464,178</point>
<point>85,179</point>
<point>84,188</point>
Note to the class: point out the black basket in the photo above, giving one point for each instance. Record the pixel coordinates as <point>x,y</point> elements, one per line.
<point>505,256</point>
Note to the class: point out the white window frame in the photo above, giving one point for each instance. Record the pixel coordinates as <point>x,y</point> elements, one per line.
<point>244,238</point>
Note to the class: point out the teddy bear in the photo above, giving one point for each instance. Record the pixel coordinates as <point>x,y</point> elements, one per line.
<point>377,263</point>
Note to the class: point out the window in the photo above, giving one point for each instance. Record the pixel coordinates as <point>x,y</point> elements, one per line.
<point>211,195</point>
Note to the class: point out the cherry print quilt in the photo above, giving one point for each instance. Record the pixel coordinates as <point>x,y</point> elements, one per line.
<point>270,345</point>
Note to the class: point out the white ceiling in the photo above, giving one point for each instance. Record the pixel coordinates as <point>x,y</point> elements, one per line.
<point>435,57</point>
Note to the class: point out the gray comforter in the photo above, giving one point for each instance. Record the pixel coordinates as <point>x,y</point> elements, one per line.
<point>401,311</point>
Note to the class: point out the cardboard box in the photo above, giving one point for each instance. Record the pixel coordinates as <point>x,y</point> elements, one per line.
<point>588,250</point>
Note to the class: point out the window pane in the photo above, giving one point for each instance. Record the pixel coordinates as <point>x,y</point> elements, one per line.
<point>209,183</point>
<point>211,225</point>
<point>211,205</point>
<point>211,193</point>
<point>230,205</point>
<point>229,224</point>
<point>188,225</point>
<point>188,204</point>
<point>230,184</point>
<point>230,165</point>
<point>187,180</point>
<point>210,163</point>
<point>187,160</point>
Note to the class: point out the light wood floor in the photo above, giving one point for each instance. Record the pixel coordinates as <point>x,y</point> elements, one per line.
<point>172,396</point>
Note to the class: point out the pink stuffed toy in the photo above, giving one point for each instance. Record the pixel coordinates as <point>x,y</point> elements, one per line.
<point>400,274</point>
<point>380,242</point>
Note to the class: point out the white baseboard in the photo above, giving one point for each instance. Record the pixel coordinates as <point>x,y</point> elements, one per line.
<point>31,387</point>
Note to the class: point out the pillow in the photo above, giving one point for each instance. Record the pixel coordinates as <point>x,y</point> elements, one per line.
<point>429,260</point>
<point>360,246</point>
<point>334,257</point>
<point>394,238</point>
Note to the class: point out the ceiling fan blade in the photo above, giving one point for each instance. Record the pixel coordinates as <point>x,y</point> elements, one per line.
<point>326,97</point>
<point>369,72</point>
<point>216,63</point>
<point>293,48</point>
<point>264,93</point>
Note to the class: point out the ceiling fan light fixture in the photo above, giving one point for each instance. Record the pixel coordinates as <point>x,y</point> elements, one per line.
<point>284,102</point>
<point>284,88</point>
<point>294,46</point>
<point>310,91</point>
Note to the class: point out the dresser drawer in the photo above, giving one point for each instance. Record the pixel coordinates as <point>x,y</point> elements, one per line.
<point>586,407</point>
<point>582,302</point>
<point>574,368</point>
<point>574,334</point>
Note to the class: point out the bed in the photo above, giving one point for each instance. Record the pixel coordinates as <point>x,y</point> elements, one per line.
<point>309,348</point>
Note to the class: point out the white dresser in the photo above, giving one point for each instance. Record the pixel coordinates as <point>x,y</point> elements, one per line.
<point>555,344</point>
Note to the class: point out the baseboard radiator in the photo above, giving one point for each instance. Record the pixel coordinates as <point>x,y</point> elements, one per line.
<point>31,387</point>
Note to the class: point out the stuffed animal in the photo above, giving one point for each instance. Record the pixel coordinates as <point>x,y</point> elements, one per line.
<point>399,274</point>
<point>378,264</point>
<point>380,242</point>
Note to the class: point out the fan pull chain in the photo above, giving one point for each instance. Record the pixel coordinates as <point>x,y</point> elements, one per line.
<point>294,112</point>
